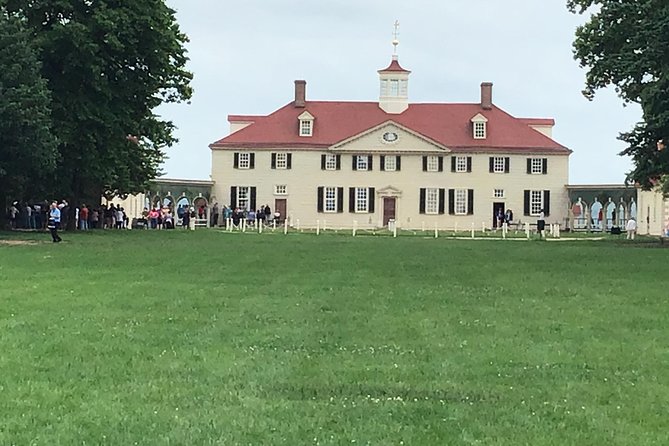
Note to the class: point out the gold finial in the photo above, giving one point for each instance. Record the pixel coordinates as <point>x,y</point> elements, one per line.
<point>396,34</point>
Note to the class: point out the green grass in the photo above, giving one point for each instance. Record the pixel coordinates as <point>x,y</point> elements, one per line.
<point>180,338</point>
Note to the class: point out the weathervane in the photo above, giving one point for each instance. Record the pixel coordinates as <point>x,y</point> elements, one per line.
<point>396,34</point>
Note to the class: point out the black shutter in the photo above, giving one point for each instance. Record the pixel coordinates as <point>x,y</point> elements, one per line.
<point>351,199</point>
<point>354,166</point>
<point>492,164</point>
<point>319,199</point>
<point>370,162</point>
<point>289,161</point>
<point>323,162</point>
<point>273,160</point>
<point>398,163</point>
<point>544,166</point>
<point>253,199</point>
<point>470,201</point>
<point>340,199</point>
<point>507,164</point>
<point>547,203</point>
<point>370,200</point>
<point>252,161</point>
<point>233,197</point>
<point>452,164</point>
<point>451,201</point>
<point>421,205</point>
<point>526,203</point>
<point>529,165</point>
<point>382,165</point>
<point>469,164</point>
<point>442,201</point>
<point>236,164</point>
<point>424,164</point>
<point>338,158</point>
<point>441,164</point>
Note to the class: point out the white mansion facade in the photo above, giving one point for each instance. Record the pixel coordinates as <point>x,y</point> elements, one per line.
<point>370,162</point>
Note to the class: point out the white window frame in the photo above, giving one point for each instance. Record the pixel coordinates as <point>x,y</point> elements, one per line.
<point>330,162</point>
<point>480,130</point>
<point>306,127</point>
<point>394,88</point>
<point>432,163</point>
<point>244,161</point>
<point>536,166</point>
<point>361,162</point>
<point>330,199</point>
<point>432,201</point>
<point>536,202</point>
<point>361,200</point>
<point>243,197</point>
<point>461,196</point>
<point>384,87</point>
<point>498,193</point>
<point>461,164</point>
<point>281,161</point>
<point>498,164</point>
<point>390,163</point>
<point>280,189</point>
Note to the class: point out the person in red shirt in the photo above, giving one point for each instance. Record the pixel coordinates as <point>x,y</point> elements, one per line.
<point>83,218</point>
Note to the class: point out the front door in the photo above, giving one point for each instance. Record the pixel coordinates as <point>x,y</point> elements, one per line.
<point>388,209</point>
<point>496,209</point>
<point>280,208</point>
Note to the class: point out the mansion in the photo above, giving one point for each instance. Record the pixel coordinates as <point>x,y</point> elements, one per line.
<point>374,162</point>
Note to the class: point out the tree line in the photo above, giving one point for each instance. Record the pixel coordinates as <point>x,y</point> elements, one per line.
<point>79,85</point>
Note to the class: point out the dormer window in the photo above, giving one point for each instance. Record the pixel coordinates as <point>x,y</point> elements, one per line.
<point>479,126</point>
<point>306,124</point>
<point>306,128</point>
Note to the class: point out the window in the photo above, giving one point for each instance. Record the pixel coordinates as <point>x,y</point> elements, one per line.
<point>461,164</point>
<point>361,162</point>
<point>431,201</point>
<point>536,202</point>
<point>281,160</point>
<point>244,161</point>
<point>432,163</point>
<point>499,164</point>
<point>384,87</point>
<point>330,162</point>
<point>243,197</point>
<point>390,163</point>
<point>479,130</point>
<point>498,193</point>
<point>537,166</point>
<point>306,127</point>
<point>361,199</point>
<point>461,201</point>
<point>394,88</point>
<point>280,189</point>
<point>330,199</point>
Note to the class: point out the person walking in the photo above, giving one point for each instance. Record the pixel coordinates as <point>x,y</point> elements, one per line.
<point>54,222</point>
<point>541,224</point>
<point>631,228</point>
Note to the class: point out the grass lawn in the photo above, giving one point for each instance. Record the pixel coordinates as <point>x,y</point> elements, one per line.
<point>209,338</point>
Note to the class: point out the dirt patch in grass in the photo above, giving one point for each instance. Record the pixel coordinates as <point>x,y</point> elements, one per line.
<point>17,242</point>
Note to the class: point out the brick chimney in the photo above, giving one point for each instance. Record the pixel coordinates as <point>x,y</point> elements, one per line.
<point>486,95</point>
<point>300,93</point>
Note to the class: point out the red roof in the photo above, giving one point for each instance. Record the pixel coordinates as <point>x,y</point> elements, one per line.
<point>447,124</point>
<point>394,67</point>
<point>538,121</point>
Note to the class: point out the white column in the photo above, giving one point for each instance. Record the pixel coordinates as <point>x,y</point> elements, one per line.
<point>318,227</point>
<point>436,231</point>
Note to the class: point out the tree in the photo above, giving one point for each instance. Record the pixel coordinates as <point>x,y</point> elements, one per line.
<point>109,64</point>
<point>27,145</point>
<point>625,43</point>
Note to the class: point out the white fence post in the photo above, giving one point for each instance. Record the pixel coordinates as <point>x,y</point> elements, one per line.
<point>355,227</point>
<point>395,229</point>
<point>483,227</point>
<point>243,224</point>
<point>527,229</point>
<point>260,225</point>
<point>422,226</point>
<point>557,234</point>
<point>436,231</point>
<point>455,228</point>
<point>472,229</point>
<point>285,227</point>
<point>324,225</point>
<point>297,226</point>
<point>318,227</point>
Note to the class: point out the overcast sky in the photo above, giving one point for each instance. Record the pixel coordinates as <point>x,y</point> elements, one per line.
<point>245,56</point>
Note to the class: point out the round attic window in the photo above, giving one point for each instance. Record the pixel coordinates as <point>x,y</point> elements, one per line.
<point>390,137</point>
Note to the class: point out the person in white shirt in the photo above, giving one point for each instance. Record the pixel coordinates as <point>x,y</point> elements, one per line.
<point>631,229</point>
